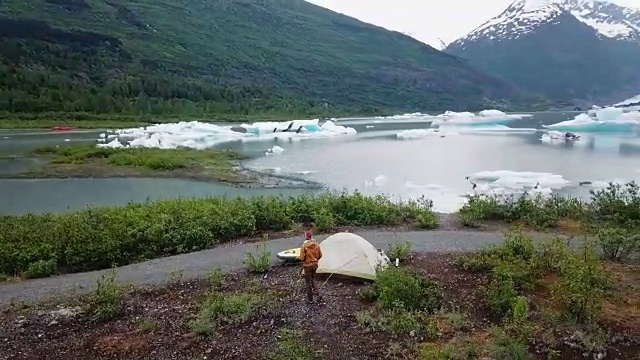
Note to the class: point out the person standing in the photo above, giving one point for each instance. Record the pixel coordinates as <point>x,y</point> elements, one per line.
<point>310,254</point>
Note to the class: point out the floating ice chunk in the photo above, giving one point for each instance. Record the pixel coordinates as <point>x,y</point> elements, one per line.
<point>405,116</point>
<point>275,150</point>
<point>502,180</point>
<point>369,126</point>
<point>629,102</point>
<point>601,120</point>
<point>491,113</point>
<point>452,130</point>
<point>445,200</point>
<point>484,117</point>
<point>274,127</point>
<point>103,135</point>
<point>414,134</point>
<point>495,129</point>
<point>67,140</point>
<point>198,135</point>
<point>377,182</point>
<point>114,144</point>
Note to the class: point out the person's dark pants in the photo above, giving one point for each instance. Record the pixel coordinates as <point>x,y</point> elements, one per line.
<point>310,278</point>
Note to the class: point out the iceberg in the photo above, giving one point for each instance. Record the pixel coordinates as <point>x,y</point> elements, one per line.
<point>414,134</point>
<point>444,131</point>
<point>258,128</point>
<point>632,102</point>
<point>416,115</point>
<point>483,118</point>
<point>507,182</point>
<point>609,119</point>
<point>275,150</point>
<point>199,135</point>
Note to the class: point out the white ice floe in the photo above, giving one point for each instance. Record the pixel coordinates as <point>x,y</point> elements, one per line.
<point>198,135</point>
<point>377,182</point>
<point>507,182</point>
<point>483,118</point>
<point>444,200</point>
<point>414,134</point>
<point>275,150</point>
<point>452,130</point>
<point>609,119</point>
<point>415,115</point>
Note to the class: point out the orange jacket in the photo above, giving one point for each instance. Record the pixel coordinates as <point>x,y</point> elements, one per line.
<point>310,253</point>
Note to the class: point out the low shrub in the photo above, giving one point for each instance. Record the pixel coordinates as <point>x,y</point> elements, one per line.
<point>519,263</point>
<point>618,205</point>
<point>106,302</point>
<point>398,321</point>
<point>220,308</point>
<point>399,288</point>
<point>583,286</point>
<point>260,262</point>
<point>399,250</point>
<point>616,243</point>
<point>98,238</point>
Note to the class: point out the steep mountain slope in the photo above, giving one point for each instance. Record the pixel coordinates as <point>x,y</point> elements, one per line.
<point>211,56</point>
<point>571,49</point>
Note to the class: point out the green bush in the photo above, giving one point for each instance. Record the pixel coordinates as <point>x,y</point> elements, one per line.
<point>618,205</point>
<point>106,302</point>
<point>401,288</point>
<point>519,263</point>
<point>583,286</point>
<point>98,238</point>
<point>399,250</point>
<point>260,262</point>
<point>616,243</point>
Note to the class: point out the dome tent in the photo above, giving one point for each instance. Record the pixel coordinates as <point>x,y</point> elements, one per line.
<point>350,255</point>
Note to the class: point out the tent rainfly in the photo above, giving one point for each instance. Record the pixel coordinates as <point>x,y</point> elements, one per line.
<point>350,255</point>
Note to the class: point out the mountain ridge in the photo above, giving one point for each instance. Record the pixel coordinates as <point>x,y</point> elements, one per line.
<point>568,49</point>
<point>210,57</point>
<point>523,16</point>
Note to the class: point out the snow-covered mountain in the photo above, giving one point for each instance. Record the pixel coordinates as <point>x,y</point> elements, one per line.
<point>525,16</point>
<point>574,49</point>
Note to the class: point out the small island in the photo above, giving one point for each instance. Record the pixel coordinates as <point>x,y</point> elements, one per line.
<point>86,160</point>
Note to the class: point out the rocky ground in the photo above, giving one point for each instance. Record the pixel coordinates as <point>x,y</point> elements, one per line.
<point>155,322</point>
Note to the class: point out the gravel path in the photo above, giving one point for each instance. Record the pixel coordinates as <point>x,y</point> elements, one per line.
<point>228,257</point>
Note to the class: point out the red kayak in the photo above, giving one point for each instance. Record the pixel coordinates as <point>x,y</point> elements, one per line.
<point>62,128</point>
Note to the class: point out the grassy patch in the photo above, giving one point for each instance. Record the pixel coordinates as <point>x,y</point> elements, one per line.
<point>291,347</point>
<point>215,163</point>
<point>399,250</point>
<point>98,238</point>
<point>260,261</point>
<point>568,287</point>
<point>220,309</point>
<point>106,302</point>
<point>404,304</point>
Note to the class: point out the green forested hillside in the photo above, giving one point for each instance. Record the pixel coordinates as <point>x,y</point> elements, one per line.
<point>220,57</point>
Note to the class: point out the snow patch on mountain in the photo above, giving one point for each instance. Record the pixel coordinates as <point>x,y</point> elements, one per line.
<point>525,16</point>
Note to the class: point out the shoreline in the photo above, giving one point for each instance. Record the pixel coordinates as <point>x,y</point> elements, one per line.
<point>255,179</point>
<point>100,123</point>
